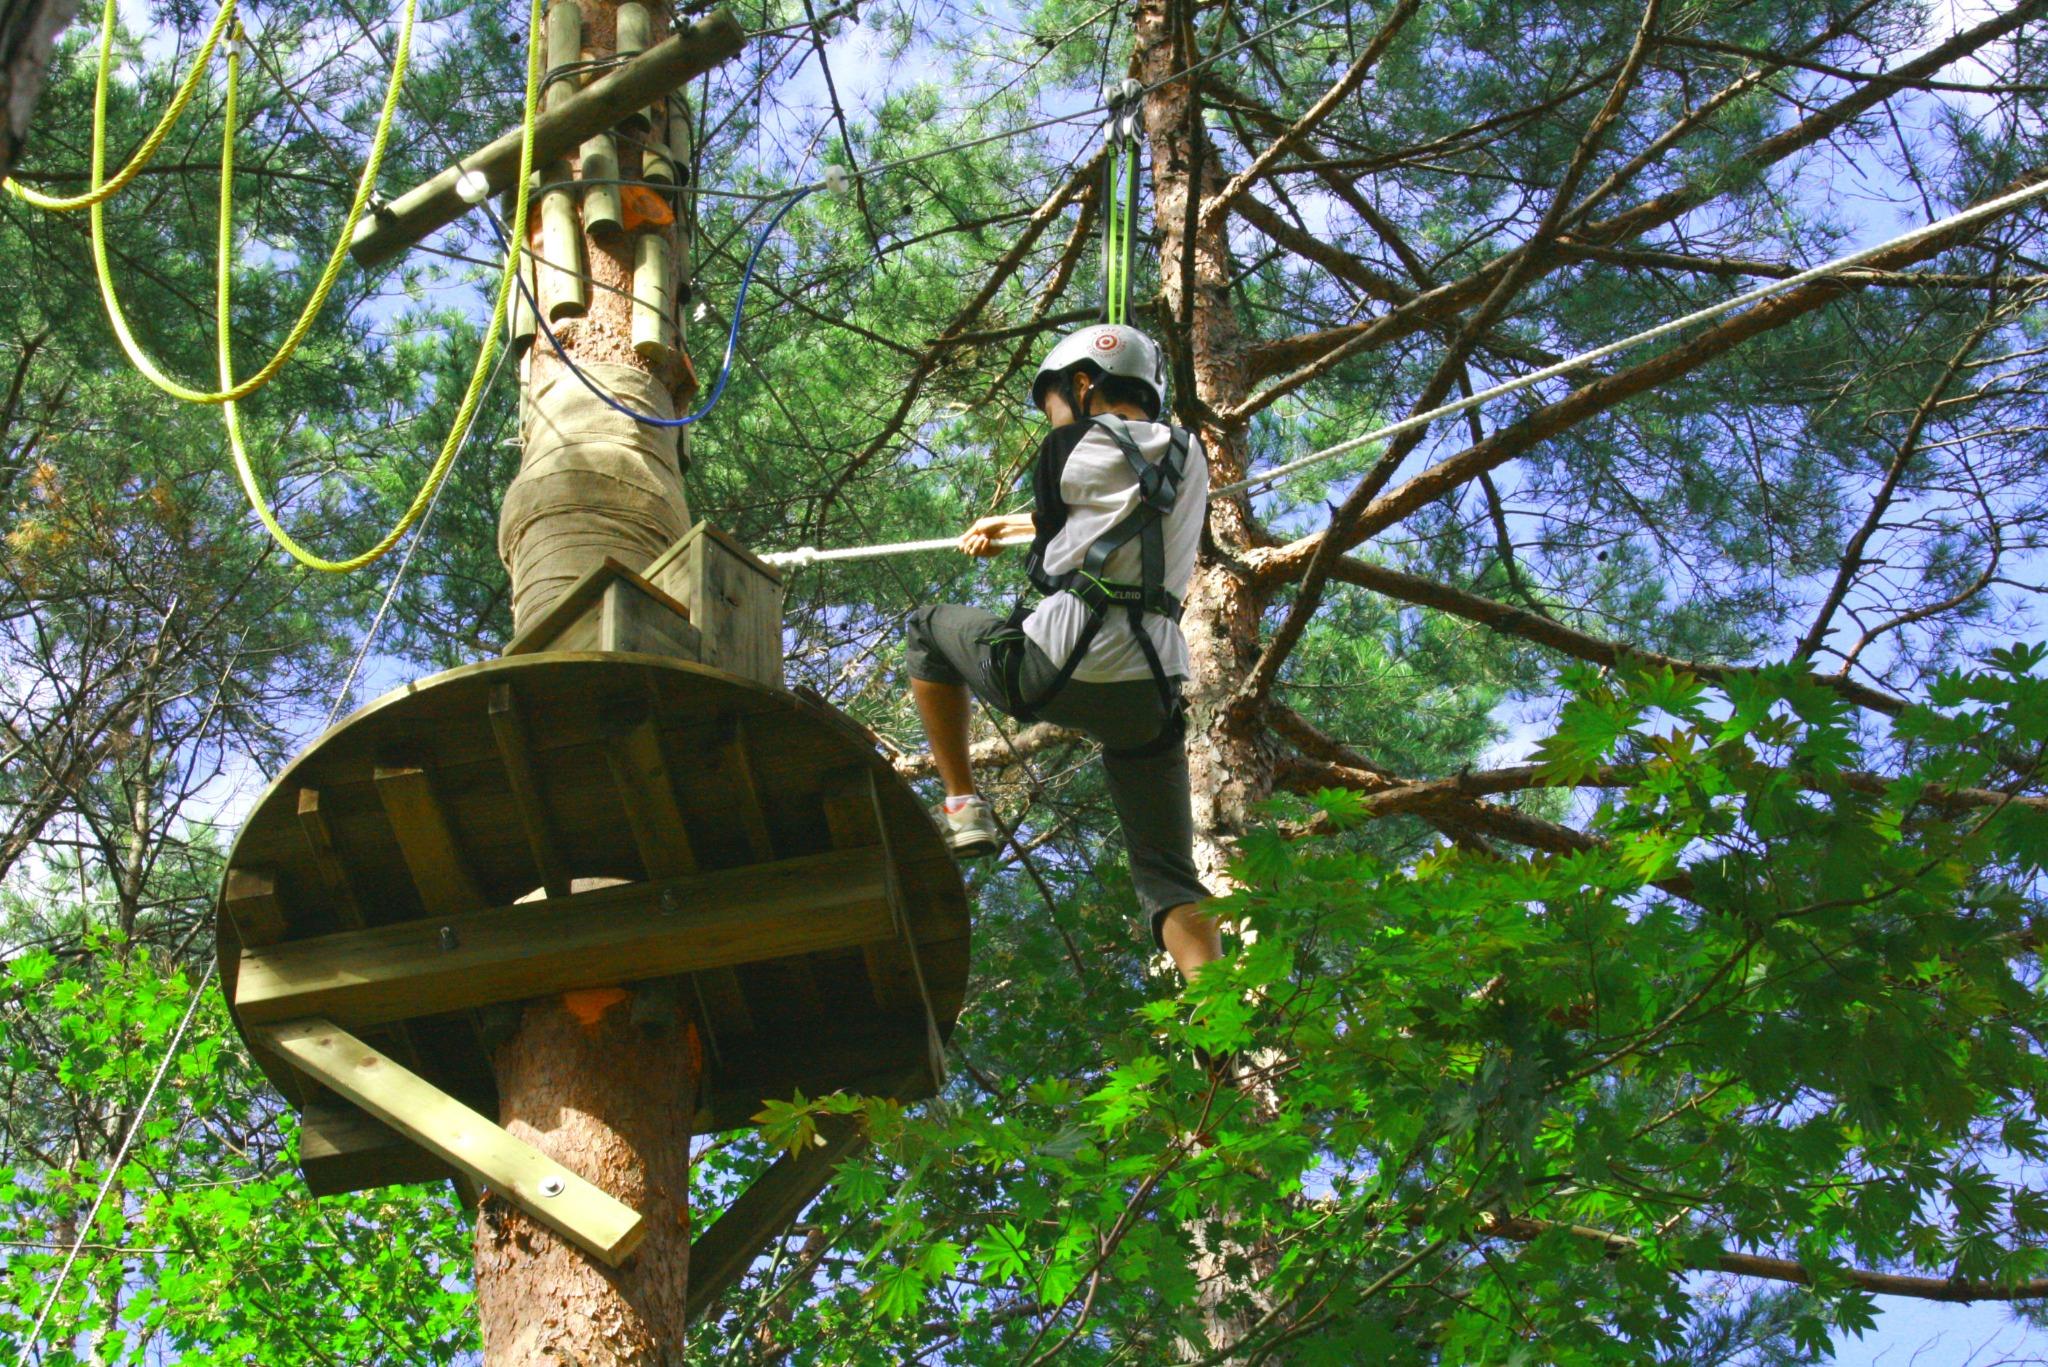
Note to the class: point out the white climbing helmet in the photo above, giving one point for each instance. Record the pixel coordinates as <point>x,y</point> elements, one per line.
<point>1115,350</point>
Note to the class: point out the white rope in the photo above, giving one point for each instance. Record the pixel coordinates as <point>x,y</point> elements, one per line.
<point>808,555</point>
<point>206,979</point>
<point>120,1157</point>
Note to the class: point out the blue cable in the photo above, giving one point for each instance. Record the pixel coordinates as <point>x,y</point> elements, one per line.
<point>732,336</point>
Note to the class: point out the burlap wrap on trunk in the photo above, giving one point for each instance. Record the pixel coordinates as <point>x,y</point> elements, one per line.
<point>592,483</point>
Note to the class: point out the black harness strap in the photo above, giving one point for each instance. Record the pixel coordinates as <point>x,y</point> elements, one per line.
<point>1158,488</point>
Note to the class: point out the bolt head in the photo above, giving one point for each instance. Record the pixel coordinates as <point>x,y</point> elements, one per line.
<point>551,1186</point>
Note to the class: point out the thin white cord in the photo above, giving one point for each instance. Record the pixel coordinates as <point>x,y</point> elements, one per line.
<point>405,561</point>
<point>120,1157</point>
<point>191,1009</point>
<point>808,555</point>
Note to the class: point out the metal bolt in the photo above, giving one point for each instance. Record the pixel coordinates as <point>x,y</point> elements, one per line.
<point>448,938</point>
<point>551,1186</point>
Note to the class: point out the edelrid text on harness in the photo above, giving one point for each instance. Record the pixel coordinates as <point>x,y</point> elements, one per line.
<point>1158,487</point>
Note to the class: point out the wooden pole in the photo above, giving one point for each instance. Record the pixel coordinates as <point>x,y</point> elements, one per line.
<point>611,99</point>
<point>596,1080</point>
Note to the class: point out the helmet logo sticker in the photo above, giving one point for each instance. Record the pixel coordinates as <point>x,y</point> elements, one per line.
<point>1107,341</point>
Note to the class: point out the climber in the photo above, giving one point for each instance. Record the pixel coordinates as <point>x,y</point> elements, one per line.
<point>1118,508</point>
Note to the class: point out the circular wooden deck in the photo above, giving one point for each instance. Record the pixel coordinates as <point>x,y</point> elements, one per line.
<point>470,790</point>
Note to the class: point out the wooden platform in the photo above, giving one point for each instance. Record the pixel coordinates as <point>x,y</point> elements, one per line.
<point>763,859</point>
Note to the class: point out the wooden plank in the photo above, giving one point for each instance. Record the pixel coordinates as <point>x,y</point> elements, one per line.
<point>674,61</point>
<point>509,729</point>
<point>611,935</point>
<point>343,1149</point>
<point>850,817</point>
<point>635,618</point>
<point>935,1046</point>
<point>580,1212</point>
<point>640,773</point>
<point>420,827</point>
<point>721,1254</point>
<point>319,834</point>
<point>737,769</point>
<point>252,904</point>
<point>734,601</point>
<point>610,608</point>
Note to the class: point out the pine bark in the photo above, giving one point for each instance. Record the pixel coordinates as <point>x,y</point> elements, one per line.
<point>28,34</point>
<point>1233,758</point>
<point>611,1099</point>
<point>604,1082</point>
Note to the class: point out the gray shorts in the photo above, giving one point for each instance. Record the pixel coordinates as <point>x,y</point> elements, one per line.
<point>951,644</point>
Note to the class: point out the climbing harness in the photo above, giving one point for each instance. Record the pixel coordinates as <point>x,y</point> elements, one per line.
<point>1120,198</point>
<point>187,88</point>
<point>1159,484</point>
<point>465,413</point>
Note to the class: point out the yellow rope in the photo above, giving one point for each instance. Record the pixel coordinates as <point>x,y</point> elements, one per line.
<point>485,358</point>
<point>336,260</point>
<point>99,194</point>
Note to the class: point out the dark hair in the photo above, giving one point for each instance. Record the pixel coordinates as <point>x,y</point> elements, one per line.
<point>1114,389</point>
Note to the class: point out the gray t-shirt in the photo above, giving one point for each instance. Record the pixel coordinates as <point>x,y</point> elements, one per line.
<point>1100,489</point>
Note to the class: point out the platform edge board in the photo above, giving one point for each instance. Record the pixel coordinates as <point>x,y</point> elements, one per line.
<point>599,938</point>
<point>580,1212</point>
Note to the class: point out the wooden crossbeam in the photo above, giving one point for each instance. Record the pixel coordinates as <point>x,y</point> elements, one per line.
<point>252,904</point>
<point>672,62</point>
<point>510,1168</point>
<point>319,833</point>
<point>641,777</point>
<point>508,729</point>
<point>625,933</point>
<point>420,826</point>
<point>721,1255</point>
<point>343,1149</point>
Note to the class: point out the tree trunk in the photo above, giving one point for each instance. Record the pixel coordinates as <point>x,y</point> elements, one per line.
<point>604,1081</point>
<point>28,34</point>
<point>604,1095</point>
<point>1232,760</point>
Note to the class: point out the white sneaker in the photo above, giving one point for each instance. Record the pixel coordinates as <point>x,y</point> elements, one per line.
<point>971,831</point>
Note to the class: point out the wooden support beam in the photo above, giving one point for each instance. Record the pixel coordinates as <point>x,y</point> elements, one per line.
<point>508,729</point>
<point>624,933</point>
<point>610,608</point>
<point>343,1149</point>
<point>641,778</point>
<point>581,1213</point>
<point>252,905</point>
<point>850,819</point>
<point>935,1046</point>
<point>640,774</point>
<point>606,101</point>
<point>420,826</point>
<point>319,833</point>
<point>721,1255</point>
